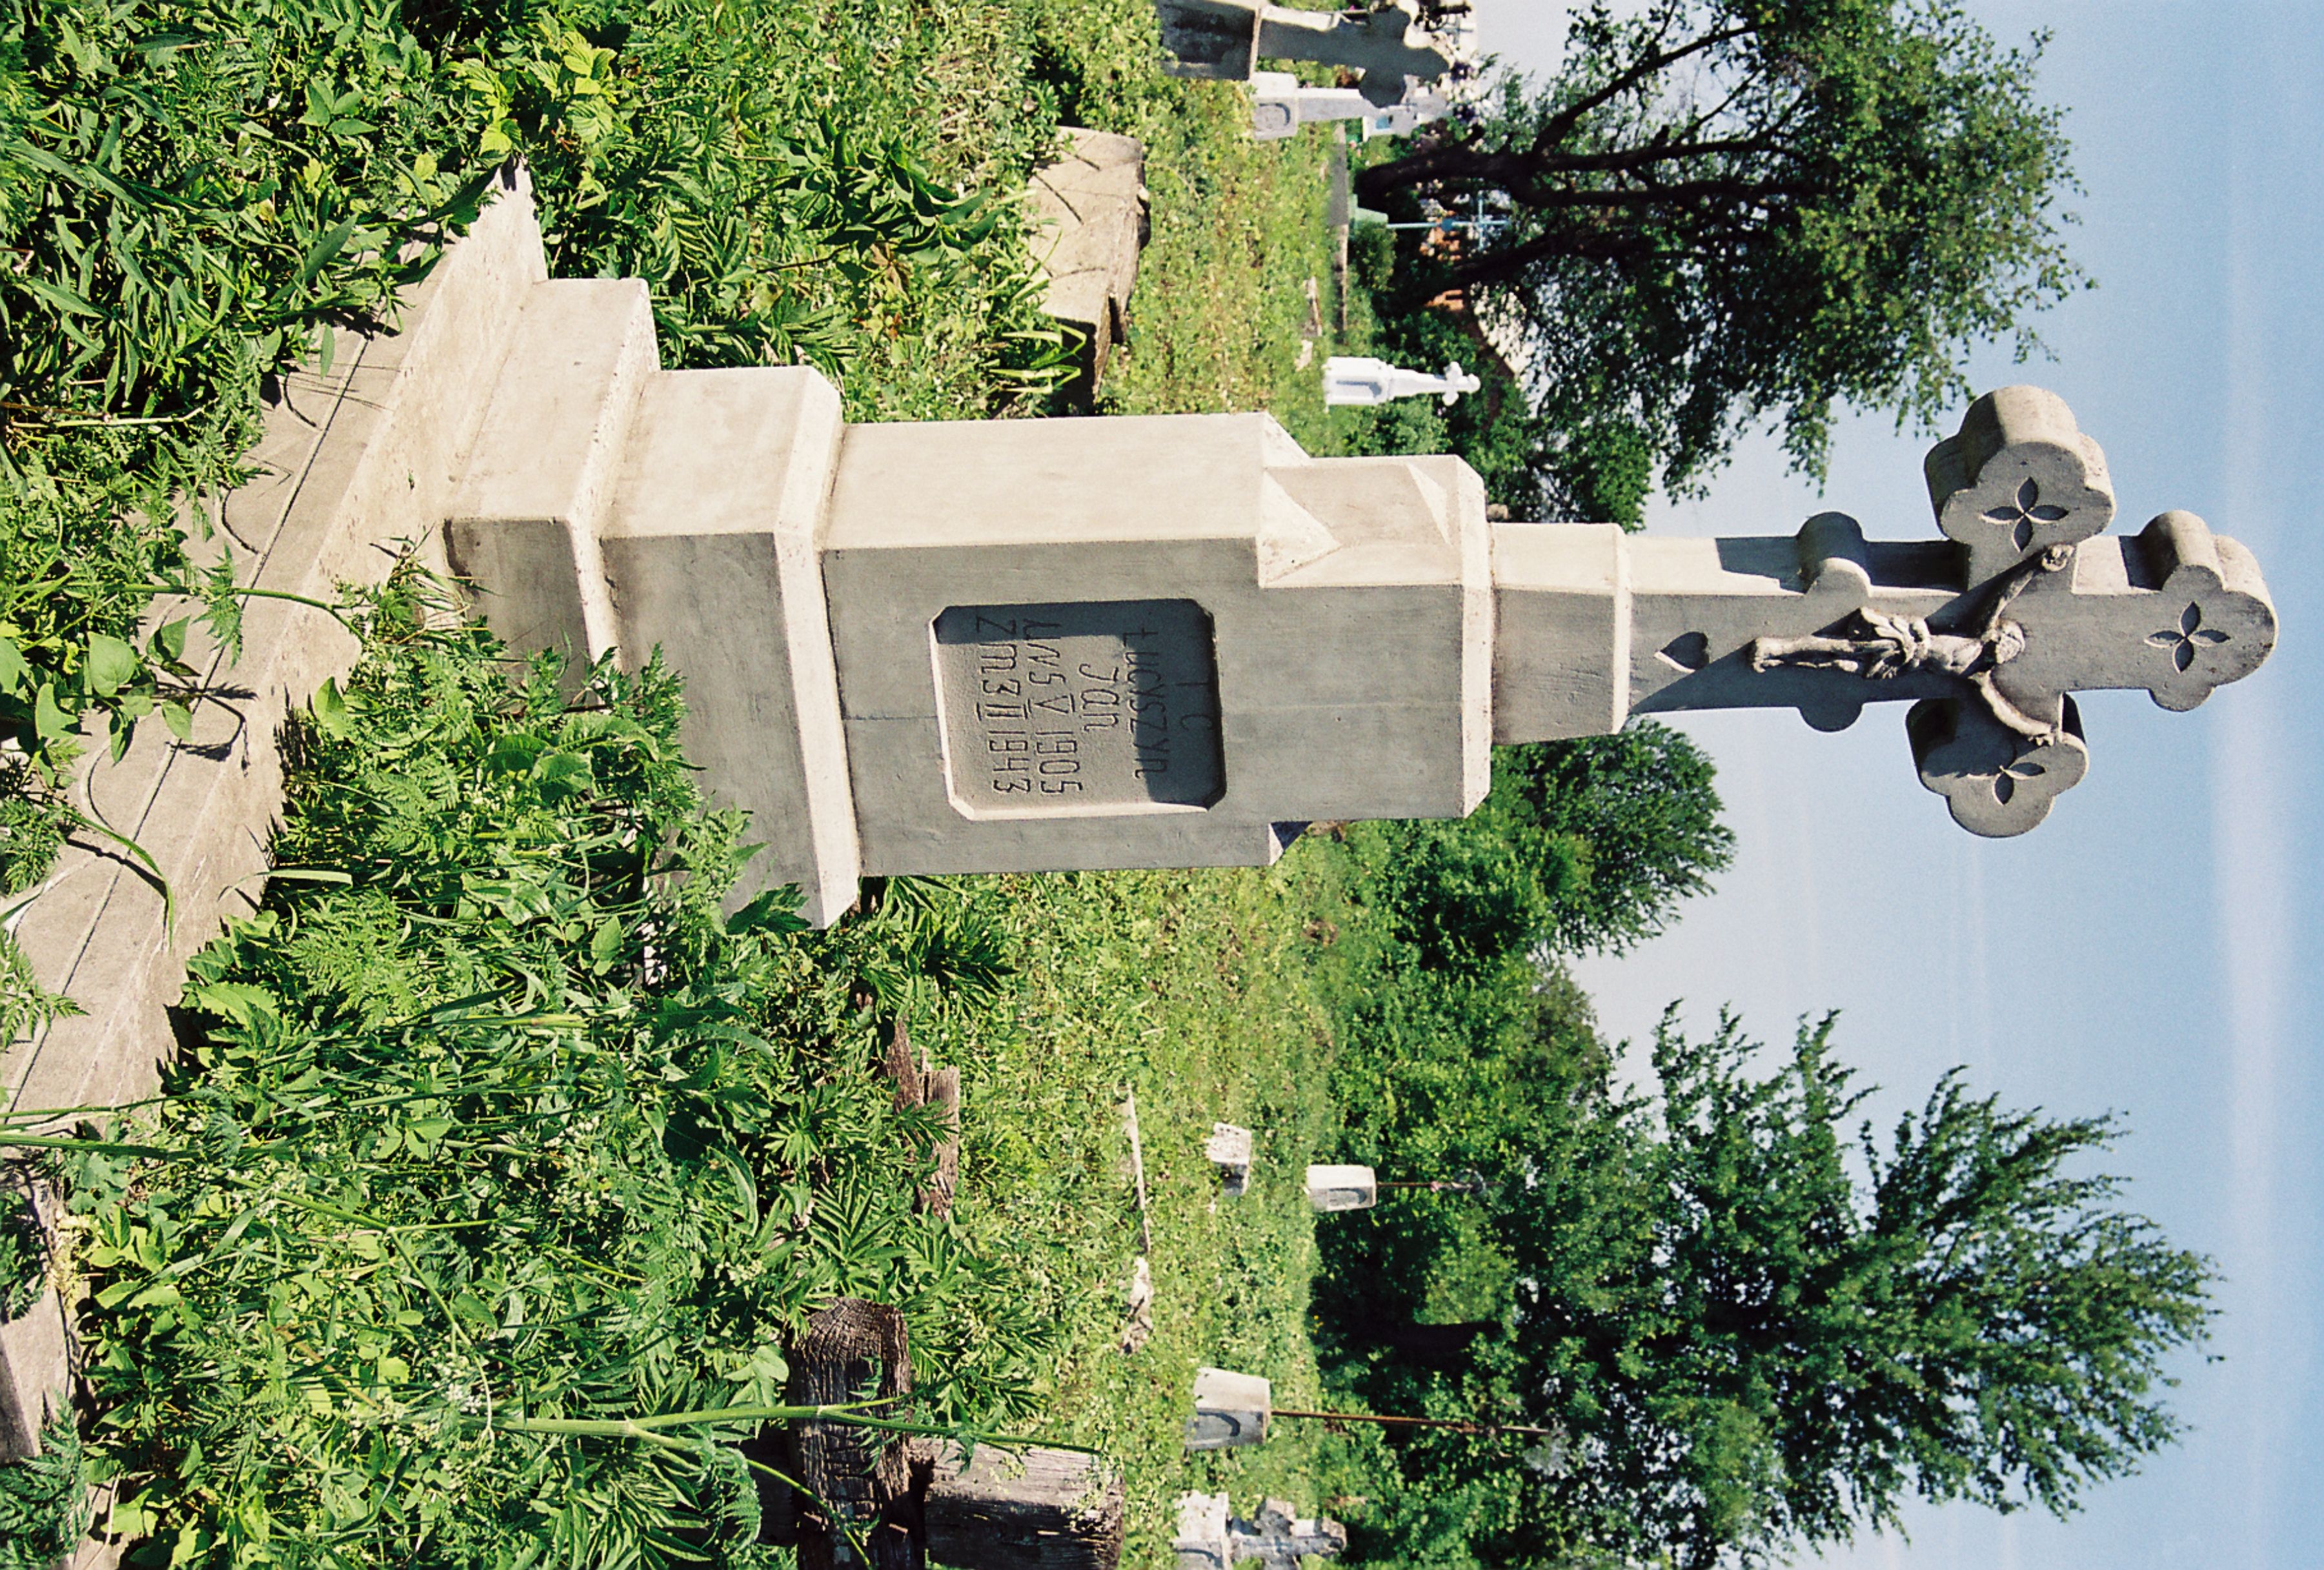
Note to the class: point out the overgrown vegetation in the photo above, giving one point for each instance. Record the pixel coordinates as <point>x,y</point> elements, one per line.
<point>494,1125</point>
<point>195,193</point>
<point>44,1501</point>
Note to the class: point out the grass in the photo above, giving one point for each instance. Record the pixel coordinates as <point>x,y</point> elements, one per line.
<point>1201,992</point>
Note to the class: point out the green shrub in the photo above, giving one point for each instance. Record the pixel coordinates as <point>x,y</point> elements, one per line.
<point>44,1500</point>
<point>496,1122</point>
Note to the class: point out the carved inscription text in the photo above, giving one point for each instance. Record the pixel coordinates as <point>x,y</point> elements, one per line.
<point>1073,707</point>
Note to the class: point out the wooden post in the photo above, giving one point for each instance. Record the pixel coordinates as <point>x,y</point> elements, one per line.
<point>851,1346</point>
<point>1018,1509</point>
<point>919,1084</point>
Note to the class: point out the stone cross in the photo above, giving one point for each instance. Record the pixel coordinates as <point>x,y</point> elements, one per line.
<point>1361,381</point>
<point>1025,645</point>
<point>1988,632</point>
<point>1281,103</point>
<point>1225,40</point>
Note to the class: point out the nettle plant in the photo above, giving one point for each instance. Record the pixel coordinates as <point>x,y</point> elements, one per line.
<point>473,1228</point>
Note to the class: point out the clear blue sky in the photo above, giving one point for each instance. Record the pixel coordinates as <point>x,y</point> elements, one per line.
<point>2154,948</point>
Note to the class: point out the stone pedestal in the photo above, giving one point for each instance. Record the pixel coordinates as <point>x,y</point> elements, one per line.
<point>1229,1409</point>
<point>984,646</point>
<point>1335,1188</point>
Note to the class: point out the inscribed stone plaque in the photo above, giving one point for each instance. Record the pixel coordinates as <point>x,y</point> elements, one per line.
<point>1107,706</point>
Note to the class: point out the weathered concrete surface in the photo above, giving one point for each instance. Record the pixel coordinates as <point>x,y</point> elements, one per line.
<point>711,552</point>
<point>1343,671</point>
<point>1091,208</point>
<point>352,463</point>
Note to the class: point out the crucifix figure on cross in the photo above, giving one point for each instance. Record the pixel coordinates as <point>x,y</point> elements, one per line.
<point>1990,632</point>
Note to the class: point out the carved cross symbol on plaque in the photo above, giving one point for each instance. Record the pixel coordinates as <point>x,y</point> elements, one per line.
<point>1992,633</point>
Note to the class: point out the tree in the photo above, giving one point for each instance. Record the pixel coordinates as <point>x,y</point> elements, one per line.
<point>1582,845</point>
<point>1748,1352</point>
<point>1725,210</point>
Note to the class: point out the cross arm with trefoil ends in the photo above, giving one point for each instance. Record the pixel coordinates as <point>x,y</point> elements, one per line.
<point>1988,632</point>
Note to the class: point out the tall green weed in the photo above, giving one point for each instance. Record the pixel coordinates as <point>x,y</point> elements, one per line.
<point>496,1118</point>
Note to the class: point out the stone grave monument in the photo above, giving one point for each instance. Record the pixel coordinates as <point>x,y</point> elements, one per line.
<point>1229,1409</point>
<point>1281,103</point>
<point>1210,1538</point>
<point>1030,645</point>
<point>1090,207</point>
<point>1361,381</point>
<point>1225,40</point>
<point>1229,1149</point>
<point>1334,1187</point>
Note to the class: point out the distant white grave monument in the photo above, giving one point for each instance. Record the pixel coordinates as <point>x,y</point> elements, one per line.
<point>1024,645</point>
<point>1281,103</point>
<point>1210,1538</point>
<point>1359,380</point>
<point>1225,40</point>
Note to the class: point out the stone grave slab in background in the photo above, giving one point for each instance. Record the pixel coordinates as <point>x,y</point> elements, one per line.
<point>1225,40</point>
<point>1229,1149</point>
<point>1229,1409</point>
<point>1342,1187</point>
<point>1279,1540</point>
<point>1091,208</point>
<point>1202,1541</point>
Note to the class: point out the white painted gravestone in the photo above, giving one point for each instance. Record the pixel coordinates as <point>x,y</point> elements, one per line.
<point>1334,1187</point>
<point>1359,380</point>
<point>1027,645</point>
<point>1229,1409</point>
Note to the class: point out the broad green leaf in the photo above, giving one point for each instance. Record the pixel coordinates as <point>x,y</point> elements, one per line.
<point>562,774</point>
<point>170,639</point>
<point>330,706</point>
<point>13,671</point>
<point>178,718</point>
<point>49,722</point>
<point>112,664</point>
<point>239,1002</point>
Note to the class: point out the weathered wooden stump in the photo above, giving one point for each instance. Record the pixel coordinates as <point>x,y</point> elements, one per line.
<point>919,1084</point>
<point>1018,1509</point>
<point>913,1503</point>
<point>852,1349</point>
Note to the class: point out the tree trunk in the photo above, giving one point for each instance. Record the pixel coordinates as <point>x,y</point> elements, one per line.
<point>1019,1509</point>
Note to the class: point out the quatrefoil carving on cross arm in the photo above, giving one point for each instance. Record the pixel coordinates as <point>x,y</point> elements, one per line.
<point>1996,783</point>
<point>2209,621</point>
<point>2019,478</point>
